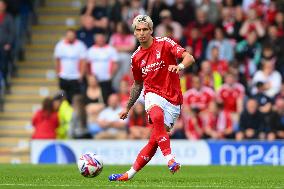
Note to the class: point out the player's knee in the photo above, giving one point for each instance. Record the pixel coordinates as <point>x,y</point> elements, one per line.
<point>156,114</point>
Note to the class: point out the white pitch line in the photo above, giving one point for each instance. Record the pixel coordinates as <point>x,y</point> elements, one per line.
<point>140,186</point>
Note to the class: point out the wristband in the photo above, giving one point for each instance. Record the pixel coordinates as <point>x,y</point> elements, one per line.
<point>181,66</point>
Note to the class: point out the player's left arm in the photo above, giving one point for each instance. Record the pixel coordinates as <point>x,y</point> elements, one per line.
<point>187,60</point>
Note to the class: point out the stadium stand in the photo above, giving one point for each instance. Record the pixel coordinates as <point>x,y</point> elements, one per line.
<point>35,79</point>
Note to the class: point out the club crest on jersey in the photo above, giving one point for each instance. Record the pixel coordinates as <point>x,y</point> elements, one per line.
<point>158,55</point>
<point>143,62</point>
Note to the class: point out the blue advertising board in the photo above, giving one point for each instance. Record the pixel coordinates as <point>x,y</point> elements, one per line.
<point>201,152</point>
<point>246,152</point>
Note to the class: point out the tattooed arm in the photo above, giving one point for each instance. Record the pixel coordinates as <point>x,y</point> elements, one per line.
<point>134,95</point>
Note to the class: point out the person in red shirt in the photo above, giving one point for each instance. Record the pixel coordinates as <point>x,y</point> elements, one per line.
<point>138,127</point>
<point>218,123</point>
<point>194,126</point>
<point>154,66</point>
<point>231,94</point>
<point>218,65</point>
<point>199,96</point>
<point>45,121</point>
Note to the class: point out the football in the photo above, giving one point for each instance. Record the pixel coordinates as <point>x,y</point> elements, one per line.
<point>90,165</point>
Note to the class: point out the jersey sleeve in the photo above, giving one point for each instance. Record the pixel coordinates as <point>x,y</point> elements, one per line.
<point>57,50</point>
<point>175,48</point>
<point>137,74</point>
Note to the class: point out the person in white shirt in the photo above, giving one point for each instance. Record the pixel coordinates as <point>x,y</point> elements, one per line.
<point>102,60</point>
<point>113,127</point>
<point>270,77</point>
<point>70,54</point>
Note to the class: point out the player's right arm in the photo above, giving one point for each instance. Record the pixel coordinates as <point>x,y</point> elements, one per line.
<point>134,95</point>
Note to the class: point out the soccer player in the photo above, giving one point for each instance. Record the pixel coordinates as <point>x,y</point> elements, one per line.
<point>154,65</point>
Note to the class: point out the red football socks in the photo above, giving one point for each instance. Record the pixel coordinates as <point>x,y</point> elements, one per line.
<point>145,154</point>
<point>159,137</point>
<point>159,131</point>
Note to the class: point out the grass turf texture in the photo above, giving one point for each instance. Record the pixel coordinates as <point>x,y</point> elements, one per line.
<point>62,176</point>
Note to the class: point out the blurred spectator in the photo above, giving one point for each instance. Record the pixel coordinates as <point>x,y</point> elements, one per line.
<point>94,104</point>
<point>268,54</point>
<point>269,77</point>
<point>277,43</point>
<point>249,54</point>
<point>78,125</point>
<point>226,49</point>
<point>113,127</point>
<point>93,99</point>
<point>271,12</point>
<point>102,60</point>
<point>217,64</point>
<point>138,127</point>
<point>99,13</point>
<point>227,21</point>
<point>209,77</point>
<point>124,42</point>
<point>178,131</point>
<point>87,31</point>
<point>22,11</point>
<point>256,4</point>
<point>206,29</point>
<point>70,55</point>
<point>169,32</point>
<point>210,8</point>
<point>232,94</point>
<point>251,121</point>
<point>124,93</point>
<point>45,121</point>
<point>194,126</point>
<point>115,12</point>
<point>196,45</point>
<point>130,12</point>
<point>7,36</point>
<point>218,123</point>
<point>64,111</point>
<point>259,6</point>
<point>199,96</point>
<point>270,118</point>
<point>154,8</point>
<point>183,12</point>
<point>278,129</point>
<point>239,19</point>
<point>252,23</point>
<point>279,22</point>
<point>166,20</point>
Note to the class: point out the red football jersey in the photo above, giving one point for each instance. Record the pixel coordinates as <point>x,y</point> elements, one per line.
<point>199,99</point>
<point>221,66</point>
<point>151,66</point>
<point>230,94</point>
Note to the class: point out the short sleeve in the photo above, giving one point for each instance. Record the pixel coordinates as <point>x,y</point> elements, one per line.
<point>175,48</point>
<point>137,74</point>
<point>57,50</point>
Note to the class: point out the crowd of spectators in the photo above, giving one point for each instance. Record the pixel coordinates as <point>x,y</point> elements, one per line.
<point>234,91</point>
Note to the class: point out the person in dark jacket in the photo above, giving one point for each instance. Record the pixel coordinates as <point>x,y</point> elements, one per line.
<point>250,121</point>
<point>6,40</point>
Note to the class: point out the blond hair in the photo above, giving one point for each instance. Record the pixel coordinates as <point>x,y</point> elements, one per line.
<point>142,19</point>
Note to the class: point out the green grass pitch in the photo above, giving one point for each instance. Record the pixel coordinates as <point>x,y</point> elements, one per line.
<point>67,176</point>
